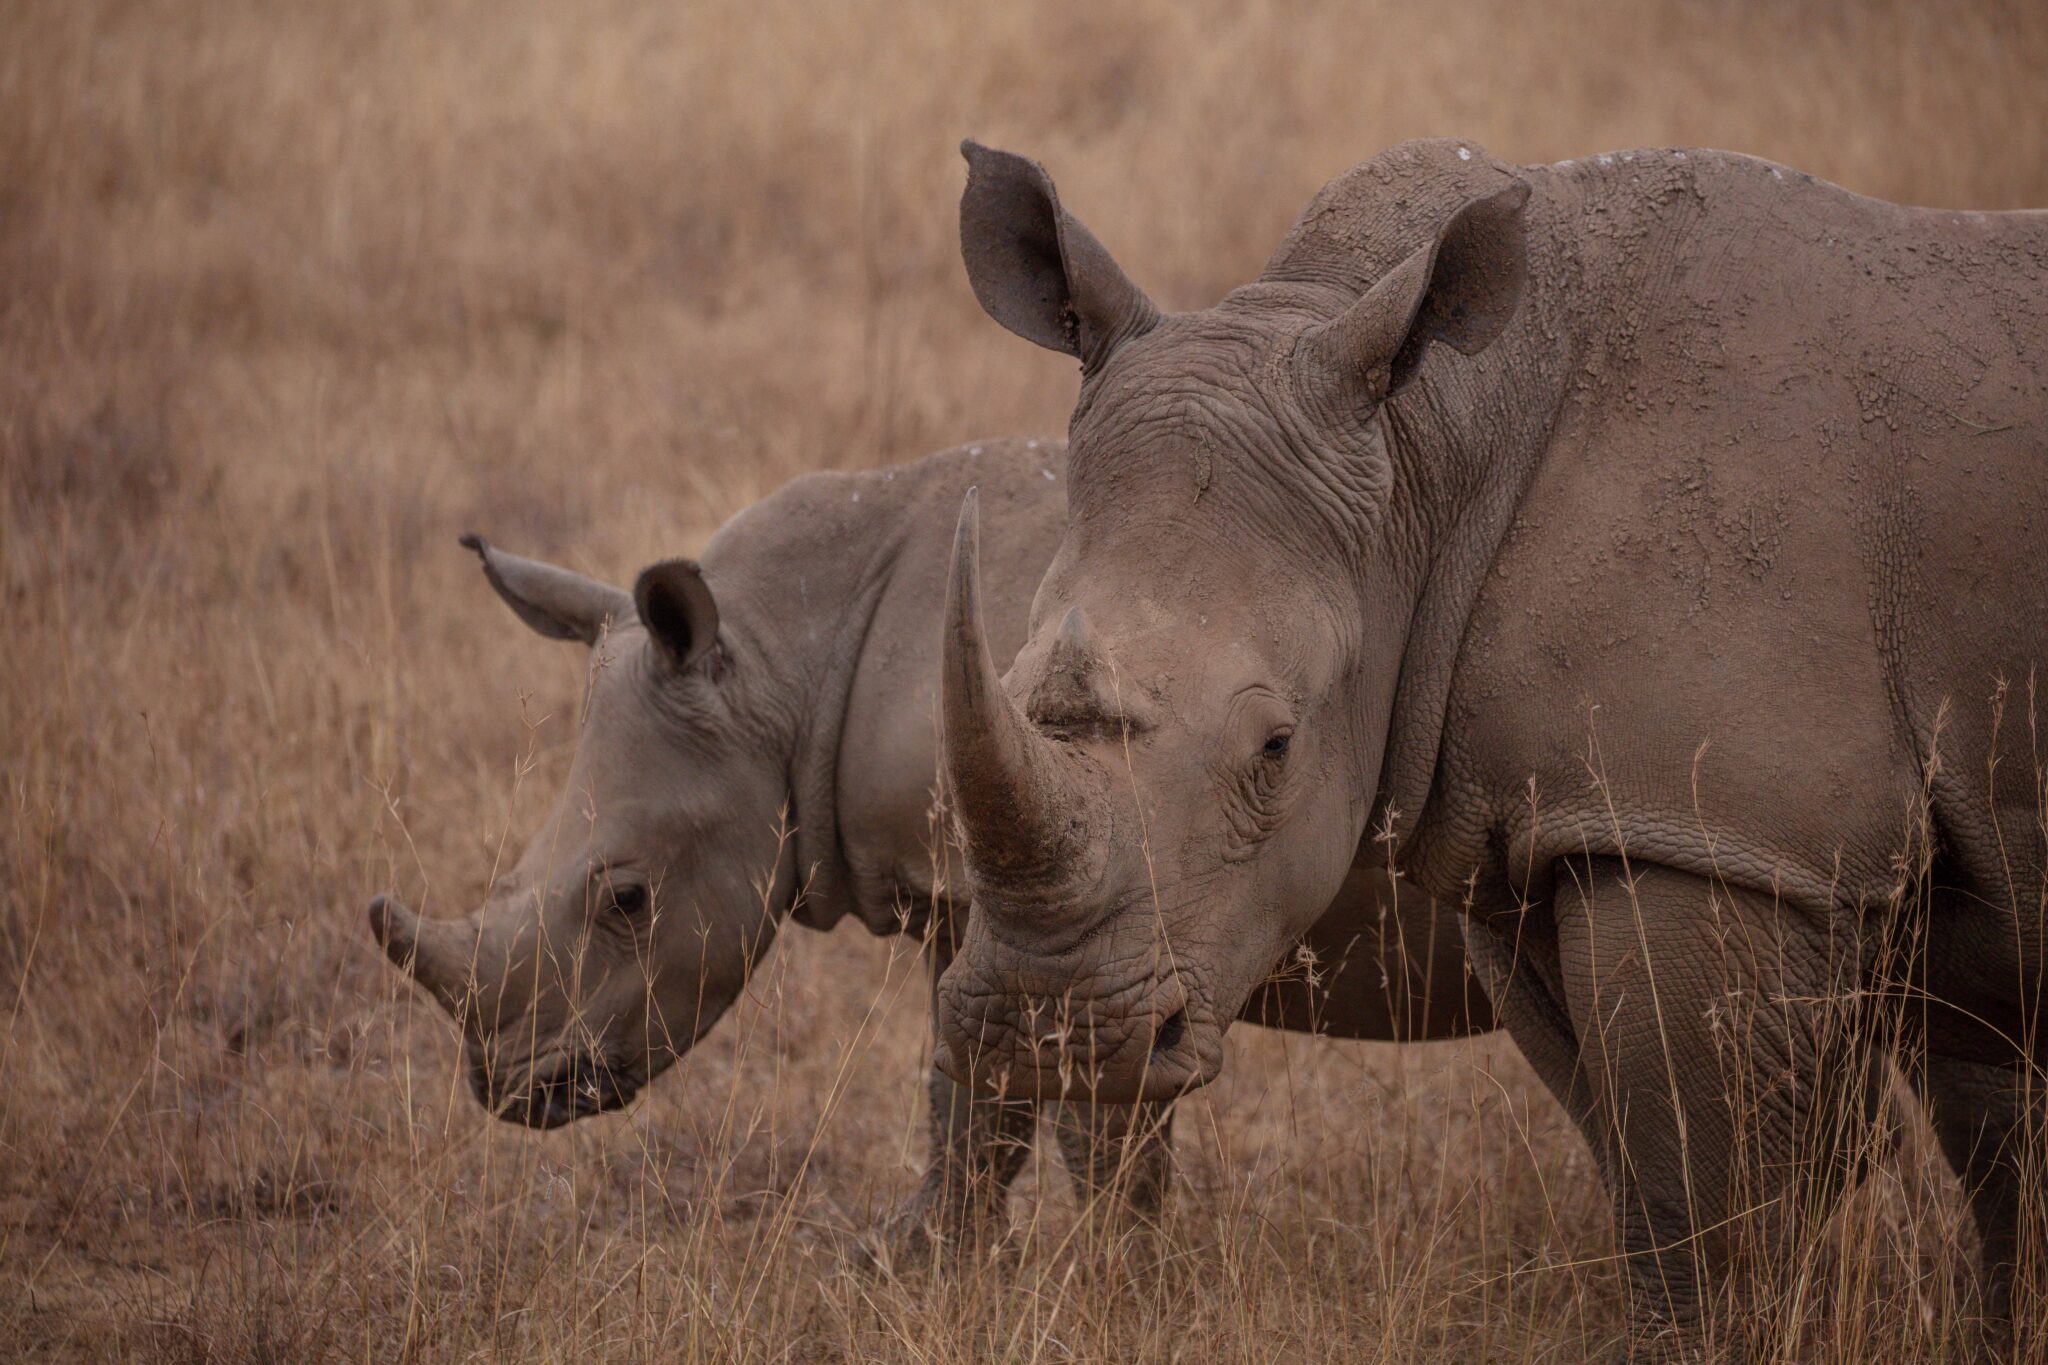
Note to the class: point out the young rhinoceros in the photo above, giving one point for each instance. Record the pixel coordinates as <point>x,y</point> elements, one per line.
<point>759,743</point>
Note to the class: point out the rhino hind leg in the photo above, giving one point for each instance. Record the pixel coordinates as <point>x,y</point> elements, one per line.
<point>1729,1080</point>
<point>1990,1120</point>
<point>1121,1159</point>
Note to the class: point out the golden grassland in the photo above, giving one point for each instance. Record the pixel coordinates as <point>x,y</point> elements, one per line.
<point>293,293</point>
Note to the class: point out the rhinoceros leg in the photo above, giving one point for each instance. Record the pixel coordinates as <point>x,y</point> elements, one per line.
<point>977,1145</point>
<point>1988,1117</point>
<point>1120,1156</point>
<point>1728,1067</point>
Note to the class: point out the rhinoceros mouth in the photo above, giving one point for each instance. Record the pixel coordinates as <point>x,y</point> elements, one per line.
<point>1150,1040</point>
<point>558,1090</point>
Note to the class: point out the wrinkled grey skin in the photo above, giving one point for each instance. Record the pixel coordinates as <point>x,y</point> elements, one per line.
<point>768,750</point>
<point>1629,534</point>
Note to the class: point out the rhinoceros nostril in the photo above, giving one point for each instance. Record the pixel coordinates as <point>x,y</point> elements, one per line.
<point>1170,1032</point>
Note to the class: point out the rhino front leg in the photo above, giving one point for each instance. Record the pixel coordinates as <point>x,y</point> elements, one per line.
<point>1121,1159</point>
<point>977,1145</point>
<point>1728,1074</point>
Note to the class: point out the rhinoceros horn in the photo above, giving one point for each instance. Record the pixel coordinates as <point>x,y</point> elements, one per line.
<point>435,951</point>
<point>1013,807</point>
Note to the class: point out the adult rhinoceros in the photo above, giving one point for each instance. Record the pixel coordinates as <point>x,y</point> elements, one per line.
<point>758,743</point>
<point>1651,541</point>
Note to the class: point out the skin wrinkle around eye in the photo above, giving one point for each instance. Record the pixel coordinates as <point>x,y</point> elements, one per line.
<point>1254,786</point>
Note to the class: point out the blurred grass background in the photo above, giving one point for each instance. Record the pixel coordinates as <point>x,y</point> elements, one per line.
<point>291,293</point>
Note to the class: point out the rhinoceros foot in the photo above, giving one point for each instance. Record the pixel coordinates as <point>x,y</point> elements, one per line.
<point>939,1227</point>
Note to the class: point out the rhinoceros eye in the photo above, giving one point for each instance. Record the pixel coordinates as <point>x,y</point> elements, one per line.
<point>630,899</point>
<point>1277,743</point>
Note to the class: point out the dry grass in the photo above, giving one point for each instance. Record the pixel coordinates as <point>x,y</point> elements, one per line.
<point>291,293</point>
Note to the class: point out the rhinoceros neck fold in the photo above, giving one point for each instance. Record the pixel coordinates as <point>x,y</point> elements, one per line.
<point>808,566</point>
<point>1469,438</point>
<point>831,591</point>
<point>1465,439</point>
<point>830,888</point>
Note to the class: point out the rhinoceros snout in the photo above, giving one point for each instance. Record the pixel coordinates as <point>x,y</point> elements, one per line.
<point>556,1091</point>
<point>1026,1037</point>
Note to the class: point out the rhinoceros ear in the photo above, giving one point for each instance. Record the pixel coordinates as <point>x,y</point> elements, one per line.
<point>1460,288</point>
<point>1036,269</point>
<point>678,610</point>
<point>556,602</point>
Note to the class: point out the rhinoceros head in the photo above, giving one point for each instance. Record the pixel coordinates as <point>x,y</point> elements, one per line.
<point>1172,781</point>
<point>633,918</point>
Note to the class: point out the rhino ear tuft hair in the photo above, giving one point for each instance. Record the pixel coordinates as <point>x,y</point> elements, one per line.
<point>557,603</point>
<point>1036,269</point>
<point>677,607</point>
<point>1461,288</point>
